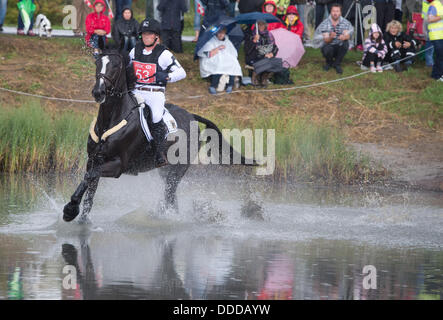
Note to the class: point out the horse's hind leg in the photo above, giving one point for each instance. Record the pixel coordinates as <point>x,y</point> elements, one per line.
<point>173,176</point>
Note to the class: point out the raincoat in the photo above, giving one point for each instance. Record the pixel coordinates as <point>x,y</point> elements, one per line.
<point>224,62</point>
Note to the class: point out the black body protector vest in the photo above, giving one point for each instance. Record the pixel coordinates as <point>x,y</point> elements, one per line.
<point>146,66</point>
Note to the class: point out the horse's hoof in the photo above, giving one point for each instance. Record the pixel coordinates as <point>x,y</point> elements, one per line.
<point>70,211</point>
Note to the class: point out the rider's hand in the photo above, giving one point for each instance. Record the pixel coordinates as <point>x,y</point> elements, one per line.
<point>161,77</point>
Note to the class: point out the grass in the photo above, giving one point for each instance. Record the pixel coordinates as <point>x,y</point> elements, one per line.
<point>304,151</point>
<point>33,140</point>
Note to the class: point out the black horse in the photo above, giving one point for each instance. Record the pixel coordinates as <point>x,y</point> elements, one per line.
<point>126,150</point>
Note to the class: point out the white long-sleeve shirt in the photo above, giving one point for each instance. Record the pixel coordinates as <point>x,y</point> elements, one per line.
<point>176,73</point>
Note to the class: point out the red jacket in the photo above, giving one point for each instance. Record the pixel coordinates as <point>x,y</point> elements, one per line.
<point>96,21</point>
<point>297,27</point>
<point>271,25</point>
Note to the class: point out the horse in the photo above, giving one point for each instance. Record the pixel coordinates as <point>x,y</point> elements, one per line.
<point>127,150</point>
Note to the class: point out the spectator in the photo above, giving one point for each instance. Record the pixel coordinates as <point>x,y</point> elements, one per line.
<point>374,49</point>
<point>293,22</point>
<point>300,5</point>
<point>246,6</point>
<point>198,10</point>
<point>120,6</point>
<point>282,6</point>
<point>213,10</point>
<point>82,11</point>
<point>218,57</point>
<point>3,8</point>
<point>429,54</point>
<point>333,35</point>
<point>270,7</point>
<point>320,6</point>
<point>21,25</point>
<point>125,31</point>
<point>231,10</point>
<point>435,28</point>
<point>171,12</point>
<point>398,14</point>
<point>261,47</point>
<point>400,45</point>
<point>409,7</point>
<point>97,27</point>
<point>385,12</point>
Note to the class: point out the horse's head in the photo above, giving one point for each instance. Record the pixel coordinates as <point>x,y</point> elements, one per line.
<point>110,76</point>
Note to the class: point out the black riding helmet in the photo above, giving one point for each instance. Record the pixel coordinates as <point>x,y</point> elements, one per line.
<point>150,25</point>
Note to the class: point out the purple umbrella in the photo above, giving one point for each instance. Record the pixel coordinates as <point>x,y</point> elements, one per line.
<point>290,47</point>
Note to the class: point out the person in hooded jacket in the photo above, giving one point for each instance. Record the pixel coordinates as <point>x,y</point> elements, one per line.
<point>97,27</point>
<point>171,12</point>
<point>271,8</point>
<point>375,49</point>
<point>124,31</point>
<point>292,21</point>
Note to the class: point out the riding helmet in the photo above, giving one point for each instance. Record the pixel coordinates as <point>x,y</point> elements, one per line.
<point>151,25</point>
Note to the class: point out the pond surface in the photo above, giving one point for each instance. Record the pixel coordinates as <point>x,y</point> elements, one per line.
<point>312,243</point>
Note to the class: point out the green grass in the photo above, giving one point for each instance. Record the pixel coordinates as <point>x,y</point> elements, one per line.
<point>32,140</point>
<point>304,151</point>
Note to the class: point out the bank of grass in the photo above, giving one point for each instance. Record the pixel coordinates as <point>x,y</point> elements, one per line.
<point>34,140</point>
<point>305,151</point>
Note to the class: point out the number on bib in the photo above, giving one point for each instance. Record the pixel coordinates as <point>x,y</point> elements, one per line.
<point>145,71</point>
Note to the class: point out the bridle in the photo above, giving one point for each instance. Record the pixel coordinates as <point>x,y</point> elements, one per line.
<point>111,90</point>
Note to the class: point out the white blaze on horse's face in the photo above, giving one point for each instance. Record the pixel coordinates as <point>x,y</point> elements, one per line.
<point>105,61</point>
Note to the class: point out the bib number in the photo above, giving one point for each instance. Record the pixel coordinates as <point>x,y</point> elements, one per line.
<point>144,72</point>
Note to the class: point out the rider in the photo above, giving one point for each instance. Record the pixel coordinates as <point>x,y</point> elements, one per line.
<point>151,67</point>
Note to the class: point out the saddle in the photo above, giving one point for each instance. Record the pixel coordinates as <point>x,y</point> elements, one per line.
<point>146,119</point>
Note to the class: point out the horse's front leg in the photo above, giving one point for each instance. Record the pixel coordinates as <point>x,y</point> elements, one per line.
<point>88,201</point>
<point>72,209</point>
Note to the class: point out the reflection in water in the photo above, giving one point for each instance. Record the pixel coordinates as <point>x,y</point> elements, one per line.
<point>304,249</point>
<point>194,267</point>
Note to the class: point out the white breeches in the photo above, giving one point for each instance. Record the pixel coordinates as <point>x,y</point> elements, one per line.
<point>156,101</point>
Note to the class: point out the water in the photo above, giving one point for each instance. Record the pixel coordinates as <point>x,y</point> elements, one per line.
<point>305,243</point>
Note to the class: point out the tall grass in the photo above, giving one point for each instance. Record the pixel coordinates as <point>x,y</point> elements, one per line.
<point>310,152</point>
<point>33,140</point>
<point>304,151</point>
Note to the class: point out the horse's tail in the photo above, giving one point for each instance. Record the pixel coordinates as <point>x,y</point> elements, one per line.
<point>209,124</point>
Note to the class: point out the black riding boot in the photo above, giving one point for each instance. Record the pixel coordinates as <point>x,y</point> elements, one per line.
<point>159,131</point>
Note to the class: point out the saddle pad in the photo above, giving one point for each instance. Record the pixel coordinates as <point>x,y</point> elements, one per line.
<point>168,119</point>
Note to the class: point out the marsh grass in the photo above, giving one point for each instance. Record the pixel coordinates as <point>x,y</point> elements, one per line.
<point>304,151</point>
<point>33,140</point>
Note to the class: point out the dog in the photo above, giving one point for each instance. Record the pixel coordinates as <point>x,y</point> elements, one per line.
<point>44,25</point>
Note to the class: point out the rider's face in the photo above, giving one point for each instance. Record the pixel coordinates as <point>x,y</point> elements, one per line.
<point>149,38</point>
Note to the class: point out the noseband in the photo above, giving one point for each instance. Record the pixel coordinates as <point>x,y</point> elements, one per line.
<point>111,90</point>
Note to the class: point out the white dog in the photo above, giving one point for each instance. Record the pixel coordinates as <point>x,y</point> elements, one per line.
<point>43,25</point>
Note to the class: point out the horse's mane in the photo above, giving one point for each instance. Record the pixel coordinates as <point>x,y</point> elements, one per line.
<point>113,49</point>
